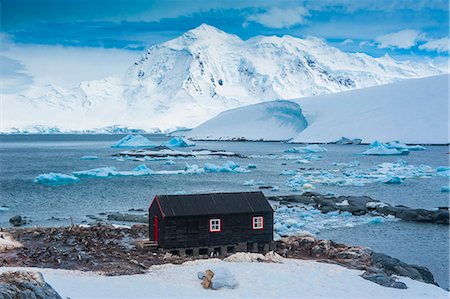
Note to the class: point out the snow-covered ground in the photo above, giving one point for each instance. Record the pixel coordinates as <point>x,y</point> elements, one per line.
<point>413,111</point>
<point>205,71</point>
<point>290,279</point>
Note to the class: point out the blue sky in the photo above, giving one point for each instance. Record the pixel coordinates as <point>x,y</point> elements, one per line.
<point>118,28</point>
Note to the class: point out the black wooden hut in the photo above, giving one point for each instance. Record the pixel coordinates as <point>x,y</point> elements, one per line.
<point>234,221</point>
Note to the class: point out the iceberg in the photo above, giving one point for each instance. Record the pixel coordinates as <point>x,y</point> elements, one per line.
<point>54,178</point>
<point>399,145</point>
<point>380,149</point>
<point>445,189</point>
<point>314,148</point>
<point>392,180</point>
<point>133,141</point>
<point>228,166</point>
<point>179,142</point>
<point>105,172</point>
<point>89,158</point>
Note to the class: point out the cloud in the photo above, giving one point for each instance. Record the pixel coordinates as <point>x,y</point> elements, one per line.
<point>438,45</point>
<point>278,18</point>
<point>403,39</point>
<point>13,76</point>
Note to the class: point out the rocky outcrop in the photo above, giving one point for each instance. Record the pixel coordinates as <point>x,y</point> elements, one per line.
<point>361,205</point>
<point>379,268</point>
<point>29,285</point>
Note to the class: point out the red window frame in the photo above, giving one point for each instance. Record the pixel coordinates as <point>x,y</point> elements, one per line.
<point>253,223</point>
<point>210,225</point>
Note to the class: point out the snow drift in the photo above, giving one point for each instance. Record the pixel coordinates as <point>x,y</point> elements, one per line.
<point>413,111</point>
<point>205,71</point>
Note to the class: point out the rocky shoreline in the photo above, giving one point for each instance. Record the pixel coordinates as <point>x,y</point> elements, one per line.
<point>113,251</point>
<point>361,205</point>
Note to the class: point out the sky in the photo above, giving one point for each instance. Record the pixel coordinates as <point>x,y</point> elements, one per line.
<point>58,41</point>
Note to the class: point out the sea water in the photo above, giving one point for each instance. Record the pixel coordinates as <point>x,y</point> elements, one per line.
<point>24,157</point>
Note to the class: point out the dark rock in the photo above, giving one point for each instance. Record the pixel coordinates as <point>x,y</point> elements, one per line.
<point>441,216</point>
<point>17,220</point>
<point>396,267</point>
<point>127,218</point>
<point>21,284</point>
<point>379,277</point>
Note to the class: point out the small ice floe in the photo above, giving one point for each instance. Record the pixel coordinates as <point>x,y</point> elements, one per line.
<point>275,189</point>
<point>133,141</point>
<point>251,166</point>
<point>392,180</point>
<point>445,189</point>
<point>295,219</point>
<point>288,172</point>
<point>181,192</point>
<point>179,142</point>
<point>4,209</point>
<point>89,158</point>
<point>443,171</point>
<point>349,164</point>
<point>193,169</point>
<point>228,166</point>
<point>302,161</point>
<point>249,183</point>
<point>314,148</point>
<point>169,162</point>
<point>54,178</point>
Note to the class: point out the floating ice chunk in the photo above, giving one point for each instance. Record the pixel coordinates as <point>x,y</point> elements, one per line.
<point>251,166</point>
<point>179,142</point>
<point>249,183</point>
<point>399,145</point>
<point>302,161</point>
<point>182,192</point>
<point>53,178</point>
<point>89,158</point>
<point>384,151</point>
<point>193,169</point>
<point>442,168</point>
<point>314,148</point>
<point>133,141</point>
<point>169,162</point>
<point>349,164</point>
<point>308,186</point>
<point>288,172</point>
<point>275,189</point>
<point>228,166</point>
<point>376,220</point>
<point>445,189</point>
<point>343,203</point>
<point>102,172</point>
<point>392,180</point>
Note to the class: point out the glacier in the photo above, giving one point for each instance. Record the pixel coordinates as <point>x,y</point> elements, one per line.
<point>187,80</point>
<point>410,110</point>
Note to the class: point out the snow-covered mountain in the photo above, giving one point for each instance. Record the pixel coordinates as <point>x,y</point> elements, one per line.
<point>413,111</point>
<point>205,71</point>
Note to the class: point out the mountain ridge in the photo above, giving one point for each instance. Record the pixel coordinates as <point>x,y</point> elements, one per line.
<point>205,71</point>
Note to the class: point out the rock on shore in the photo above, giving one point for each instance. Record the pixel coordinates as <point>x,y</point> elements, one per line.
<point>27,285</point>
